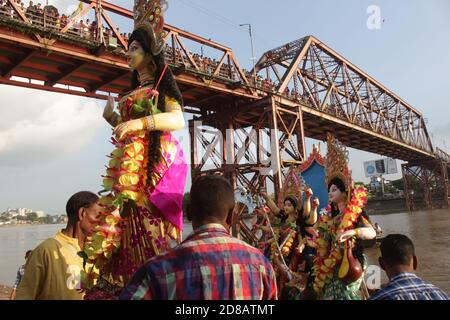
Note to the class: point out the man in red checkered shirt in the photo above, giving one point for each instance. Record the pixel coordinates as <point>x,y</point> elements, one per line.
<point>210,264</point>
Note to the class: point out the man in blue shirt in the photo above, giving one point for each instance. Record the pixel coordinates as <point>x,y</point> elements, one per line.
<point>399,261</point>
<point>19,276</point>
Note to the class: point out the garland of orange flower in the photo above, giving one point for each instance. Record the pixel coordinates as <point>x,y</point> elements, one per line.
<point>122,183</point>
<point>326,260</point>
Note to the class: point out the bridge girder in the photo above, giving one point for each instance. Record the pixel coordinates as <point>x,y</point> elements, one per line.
<point>330,95</point>
<point>317,76</point>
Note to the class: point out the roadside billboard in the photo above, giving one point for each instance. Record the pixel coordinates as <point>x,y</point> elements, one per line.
<point>380,167</point>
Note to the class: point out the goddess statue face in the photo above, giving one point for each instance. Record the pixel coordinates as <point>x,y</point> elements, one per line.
<point>288,207</point>
<point>136,56</point>
<point>335,195</point>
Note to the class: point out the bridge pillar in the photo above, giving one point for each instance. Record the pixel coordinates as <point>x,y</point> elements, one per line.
<point>426,184</point>
<point>252,145</point>
<point>446,185</point>
<point>229,165</point>
<point>408,188</point>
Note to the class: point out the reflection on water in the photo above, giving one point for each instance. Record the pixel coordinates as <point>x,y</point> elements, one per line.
<point>430,232</point>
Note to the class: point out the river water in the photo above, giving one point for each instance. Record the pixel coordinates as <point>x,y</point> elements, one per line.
<point>16,240</point>
<point>430,232</point>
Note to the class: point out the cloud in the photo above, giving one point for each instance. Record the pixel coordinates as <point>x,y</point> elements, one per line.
<point>443,130</point>
<point>441,136</point>
<point>37,126</point>
<point>64,7</point>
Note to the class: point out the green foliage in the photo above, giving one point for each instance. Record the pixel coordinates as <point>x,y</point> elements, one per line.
<point>32,216</point>
<point>47,219</point>
<point>398,184</point>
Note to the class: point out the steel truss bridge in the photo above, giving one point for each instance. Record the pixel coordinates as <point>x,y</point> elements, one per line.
<point>250,130</point>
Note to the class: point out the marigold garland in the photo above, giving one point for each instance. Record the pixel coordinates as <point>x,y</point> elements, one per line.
<point>122,182</point>
<point>324,264</point>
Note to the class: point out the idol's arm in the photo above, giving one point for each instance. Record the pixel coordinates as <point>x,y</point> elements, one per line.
<point>272,206</point>
<point>110,115</point>
<point>365,233</point>
<point>114,120</point>
<point>172,120</point>
<point>313,216</point>
<point>307,204</point>
<point>167,121</point>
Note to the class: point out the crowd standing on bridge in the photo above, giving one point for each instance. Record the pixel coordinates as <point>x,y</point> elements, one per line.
<point>49,17</point>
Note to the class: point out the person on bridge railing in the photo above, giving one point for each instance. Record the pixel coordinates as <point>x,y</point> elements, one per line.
<point>3,7</point>
<point>30,11</point>
<point>144,184</point>
<point>39,14</point>
<point>63,21</point>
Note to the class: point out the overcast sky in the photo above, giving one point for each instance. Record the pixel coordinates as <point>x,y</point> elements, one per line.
<point>53,145</point>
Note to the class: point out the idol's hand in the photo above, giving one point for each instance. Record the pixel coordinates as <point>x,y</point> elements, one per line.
<point>308,192</point>
<point>259,212</point>
<point>108,112</point>
<point>312,231</point>
<point>300,248</point>
<point>315,203</point>
<point>263,228</point>
<point>124,129</point>
<point>343,237</point>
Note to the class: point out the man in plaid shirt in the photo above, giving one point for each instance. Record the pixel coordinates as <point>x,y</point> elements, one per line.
<point>210,264</point>
<point>399,261</point>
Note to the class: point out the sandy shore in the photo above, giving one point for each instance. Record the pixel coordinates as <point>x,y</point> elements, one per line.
<point>5,292</point>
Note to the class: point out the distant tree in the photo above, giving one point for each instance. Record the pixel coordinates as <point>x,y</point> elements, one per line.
<point>32,216</point>
<point>398,184</point>
<point>6,215</point>
<point>48,219</point>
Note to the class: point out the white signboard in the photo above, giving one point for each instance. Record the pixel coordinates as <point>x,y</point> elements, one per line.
<point>380,167</point>
<point>391,165</point>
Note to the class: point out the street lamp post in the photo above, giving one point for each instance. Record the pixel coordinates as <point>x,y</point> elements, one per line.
<point>253,49</point>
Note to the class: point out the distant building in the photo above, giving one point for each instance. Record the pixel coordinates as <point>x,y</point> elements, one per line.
<point>21,212</point>
<point>40,214</point>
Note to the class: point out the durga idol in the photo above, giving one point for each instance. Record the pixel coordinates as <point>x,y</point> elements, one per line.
<point>145,179</point>
<point>340,263</point>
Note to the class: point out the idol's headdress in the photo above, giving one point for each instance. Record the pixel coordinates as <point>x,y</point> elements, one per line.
<point>149,15</point>
<point>292,187</point>
<point>336,165</point>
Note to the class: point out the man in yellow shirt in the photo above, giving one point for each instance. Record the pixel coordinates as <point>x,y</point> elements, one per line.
<point>53,270</point>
